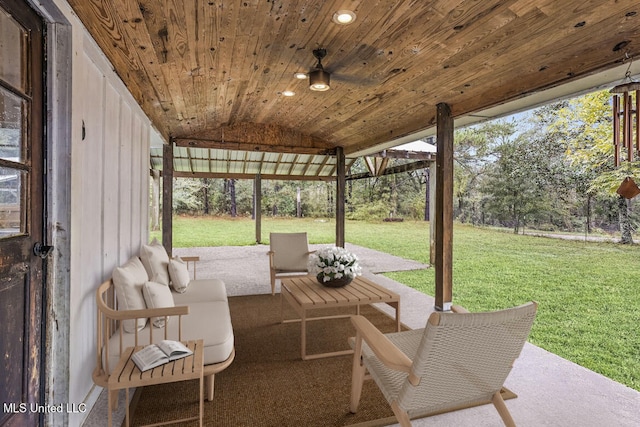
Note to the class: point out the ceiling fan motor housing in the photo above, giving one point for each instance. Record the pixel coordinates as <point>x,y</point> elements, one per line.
<point>319,79</point>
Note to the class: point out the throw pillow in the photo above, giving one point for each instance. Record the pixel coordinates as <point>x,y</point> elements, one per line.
<point>128,280</point>
<point>157,295</point>
<point>179,274</point>
<point>156,261</point>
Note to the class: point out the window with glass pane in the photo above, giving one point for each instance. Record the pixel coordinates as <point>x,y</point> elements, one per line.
<point>11,202</point>
<point>12,112</point>
<point>12,46</point>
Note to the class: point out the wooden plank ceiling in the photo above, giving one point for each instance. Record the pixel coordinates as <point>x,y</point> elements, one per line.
<point>211,73</point>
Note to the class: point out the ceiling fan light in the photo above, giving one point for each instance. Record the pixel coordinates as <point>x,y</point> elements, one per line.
<point>344,17</point>
<point>319,80</point>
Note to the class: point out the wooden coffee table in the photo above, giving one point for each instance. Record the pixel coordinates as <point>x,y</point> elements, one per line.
<point>126,375</point>
<point>304,294</point>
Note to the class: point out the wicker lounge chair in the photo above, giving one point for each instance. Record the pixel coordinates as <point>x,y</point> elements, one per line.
<point>460,359</point>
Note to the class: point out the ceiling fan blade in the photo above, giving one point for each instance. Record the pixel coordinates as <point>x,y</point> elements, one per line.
<point>350,79</point>
<point>336,66</point>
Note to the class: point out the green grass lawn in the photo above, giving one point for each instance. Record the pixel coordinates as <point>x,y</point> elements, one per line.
<point>588,293</point>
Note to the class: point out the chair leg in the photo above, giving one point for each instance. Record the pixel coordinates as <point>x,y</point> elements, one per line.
<point>357,376</point>
<point>501,407</point>
<point>114,395</point>
<point>273,282</point>
<point>401,415</point>
<point>208,385</point>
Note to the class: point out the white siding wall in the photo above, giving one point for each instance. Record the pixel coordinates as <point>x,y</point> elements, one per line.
<point>109,200</point>
<point>109,197</point>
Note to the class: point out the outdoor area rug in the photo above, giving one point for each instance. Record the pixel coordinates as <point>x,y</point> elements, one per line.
<point>268,384</point>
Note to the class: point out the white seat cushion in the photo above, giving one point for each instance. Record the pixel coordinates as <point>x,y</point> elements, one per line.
<point>202,290</point>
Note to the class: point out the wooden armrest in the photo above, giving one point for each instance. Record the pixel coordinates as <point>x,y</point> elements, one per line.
<point>459,309</point>
<point>387,352</point>
<point>192,259</point>
<point>147,312</point>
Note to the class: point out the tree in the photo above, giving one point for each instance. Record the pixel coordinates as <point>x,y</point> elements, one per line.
<point>206,182</point>
<point>475,151</point>
<point>523,182</point>
<point>231,188</point>
<point>551,168</point>
<point>187,195</point>
<point>586,122</point>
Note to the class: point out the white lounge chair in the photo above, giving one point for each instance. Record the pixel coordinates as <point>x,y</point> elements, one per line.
<point>458,360</point>
<point>288,254</point>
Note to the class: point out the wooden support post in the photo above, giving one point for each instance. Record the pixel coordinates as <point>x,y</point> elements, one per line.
<point>257,206</point>
<point>427,212</point>
<point>340,195</point>
<point>616,130</point>
<point>433,186</point>
<point>637,122</point>
<point>155,199</point>
<point>444,208</point>
<point>167,197</point>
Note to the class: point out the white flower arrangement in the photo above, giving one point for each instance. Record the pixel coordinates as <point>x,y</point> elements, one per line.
<point>333,262</point>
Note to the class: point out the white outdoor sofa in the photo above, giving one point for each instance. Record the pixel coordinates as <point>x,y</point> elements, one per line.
<point>201,311</point>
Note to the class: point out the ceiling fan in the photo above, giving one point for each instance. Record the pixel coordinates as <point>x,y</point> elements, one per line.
<point>319,79</point>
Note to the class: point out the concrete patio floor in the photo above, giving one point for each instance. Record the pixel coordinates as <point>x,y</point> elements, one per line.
<point>551,390</point>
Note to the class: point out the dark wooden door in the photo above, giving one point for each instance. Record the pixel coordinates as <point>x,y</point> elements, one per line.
<point>21,213</point>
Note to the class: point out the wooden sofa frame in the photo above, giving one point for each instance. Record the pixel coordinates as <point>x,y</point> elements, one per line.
<point>109,318</point>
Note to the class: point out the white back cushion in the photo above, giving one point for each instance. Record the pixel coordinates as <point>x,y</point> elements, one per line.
<point>290,251</point>
<point>128,280</point>
<point>156,261</point>
<point>179,274</point>
<point>157,295</point>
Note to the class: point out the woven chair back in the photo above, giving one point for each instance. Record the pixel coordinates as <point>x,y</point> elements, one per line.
<point>466,358</point>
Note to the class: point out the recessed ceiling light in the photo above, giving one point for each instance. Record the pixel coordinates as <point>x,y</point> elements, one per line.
<point>344,17</point>
<point>288,93</point>
<point>300,76</point>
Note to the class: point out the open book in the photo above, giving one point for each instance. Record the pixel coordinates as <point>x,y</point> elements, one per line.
<point>158,354</point>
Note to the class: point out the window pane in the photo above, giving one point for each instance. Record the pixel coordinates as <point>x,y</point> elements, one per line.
<point>12,52</point>
<point>12,110</point>
<point>11,202</point>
